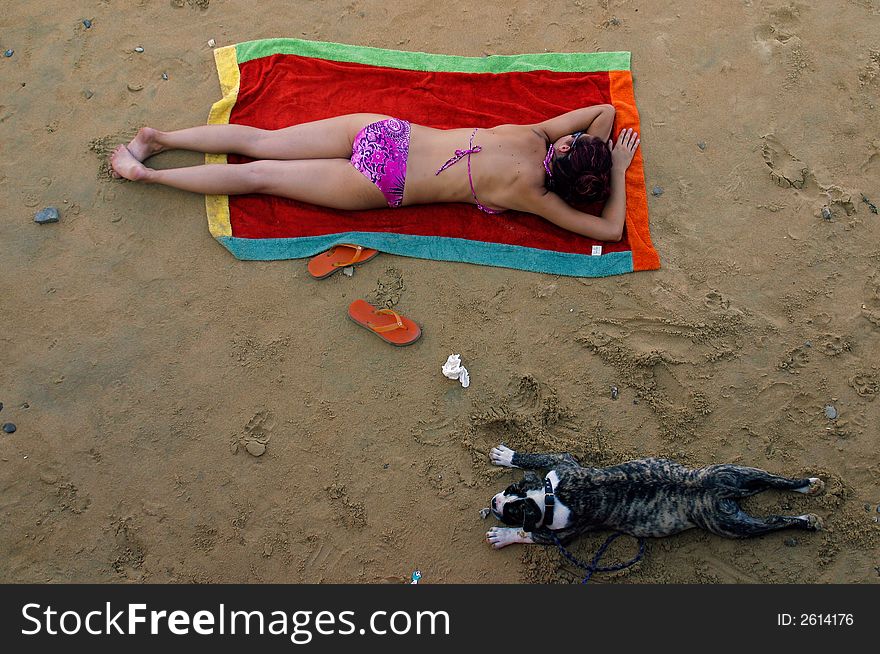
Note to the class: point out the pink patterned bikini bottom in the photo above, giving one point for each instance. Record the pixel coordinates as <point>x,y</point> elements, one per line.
<point>379,152</point>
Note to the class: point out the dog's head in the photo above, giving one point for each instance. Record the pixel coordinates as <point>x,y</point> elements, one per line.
<point>521,503</point>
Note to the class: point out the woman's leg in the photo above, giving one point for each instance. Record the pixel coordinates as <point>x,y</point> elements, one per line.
<point>330,138</point>
<point>332,183</point>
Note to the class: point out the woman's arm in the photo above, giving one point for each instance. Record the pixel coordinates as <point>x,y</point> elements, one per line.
<point>608,226</point>
<point>595,121</point>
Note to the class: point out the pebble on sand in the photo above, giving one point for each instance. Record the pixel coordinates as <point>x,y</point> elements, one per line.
<point>830,412</point>
<point>165,76</point>
<point>615,393</point>
<point>826,213</point>
<point>139,49</point>
<point>47,215</point>
<point>9,53</point>
<point>701,145</point>
<point>9,428</point>
<point>657,191</point>
<point>87,23</point>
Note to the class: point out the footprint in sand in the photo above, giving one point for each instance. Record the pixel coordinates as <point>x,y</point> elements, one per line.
<point>256,435</point>
<point>832,345</point>
<point>715,301</point>
<point>797,358</point>
<point>865,385</point>
<point>389,289</point>
<point>786,170</point>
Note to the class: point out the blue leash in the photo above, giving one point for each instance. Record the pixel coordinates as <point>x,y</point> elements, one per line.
<point>593,565</point>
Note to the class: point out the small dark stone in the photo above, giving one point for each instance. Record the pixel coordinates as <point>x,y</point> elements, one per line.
<point>47,215</point>
<point>635,400</point>
<point>385,466</point>
<point>9,428</point>
<point>87,23</point>
<point>657,191</point>
<point>25,406</point>
<point>830,412</point>
<point>88,93</point>
<point>615,393</point>
<point>826,213</point>
<point>808,344</point>
<point>701,145</point>
<point>165,76</point>
<point>791,542</point>
<point>1,406</point>
<point>878,508</point>
<point>9,53</point>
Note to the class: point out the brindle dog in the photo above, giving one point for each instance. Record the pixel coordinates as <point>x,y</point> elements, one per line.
<point>647,497</point>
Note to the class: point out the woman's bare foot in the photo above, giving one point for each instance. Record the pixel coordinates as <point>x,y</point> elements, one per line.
<point>145,144</point>
<point>124,164</point>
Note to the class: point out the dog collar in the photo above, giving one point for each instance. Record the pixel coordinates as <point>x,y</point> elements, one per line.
<point>549,502</point>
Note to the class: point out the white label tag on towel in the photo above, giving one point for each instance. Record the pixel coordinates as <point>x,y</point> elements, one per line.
<point>597,250</point>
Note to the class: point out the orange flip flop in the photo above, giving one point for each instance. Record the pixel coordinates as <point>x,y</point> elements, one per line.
<point>388,325</point>
<point>337,258</point>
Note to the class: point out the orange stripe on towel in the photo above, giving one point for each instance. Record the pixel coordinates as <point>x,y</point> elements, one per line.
<point>624,101</point>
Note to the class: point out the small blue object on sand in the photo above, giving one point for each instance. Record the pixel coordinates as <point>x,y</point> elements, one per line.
<point>47,215</point>
<point>415,577</point>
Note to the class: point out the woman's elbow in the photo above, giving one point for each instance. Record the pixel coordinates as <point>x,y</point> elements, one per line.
<point>614,235</point>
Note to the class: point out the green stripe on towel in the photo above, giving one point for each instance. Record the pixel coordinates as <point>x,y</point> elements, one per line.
<point>554,61</point>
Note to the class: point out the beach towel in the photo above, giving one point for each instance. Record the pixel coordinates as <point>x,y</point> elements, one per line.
<point>274,83</point>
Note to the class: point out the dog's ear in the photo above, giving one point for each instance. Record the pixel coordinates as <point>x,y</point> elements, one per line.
<point>531,515</point>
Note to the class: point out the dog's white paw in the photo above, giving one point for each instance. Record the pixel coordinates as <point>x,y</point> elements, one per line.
<point>502,456</point>
<point>499,537</point>
<point>815,523</point>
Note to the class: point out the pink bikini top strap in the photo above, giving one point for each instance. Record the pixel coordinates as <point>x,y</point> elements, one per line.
<point>458,156</point>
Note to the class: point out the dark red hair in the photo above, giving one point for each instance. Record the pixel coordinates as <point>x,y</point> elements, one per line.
<point>584,174</point>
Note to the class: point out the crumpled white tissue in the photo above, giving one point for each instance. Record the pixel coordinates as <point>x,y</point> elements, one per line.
<point>454,370</point>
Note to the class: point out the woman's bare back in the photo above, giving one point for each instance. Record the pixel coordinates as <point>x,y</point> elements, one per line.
<point>509,163</point>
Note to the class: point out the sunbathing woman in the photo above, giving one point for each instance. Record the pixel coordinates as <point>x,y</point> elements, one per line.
<point>370,161</point>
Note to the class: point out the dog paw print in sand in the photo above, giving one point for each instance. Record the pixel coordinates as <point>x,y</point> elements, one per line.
<point>870,74</point>
<point>798,358</point>
<point>130,551</point>
<point>256,434</point>
<point>871,306</point>
<point>786,170</point>
<point>528,413</point>
<point>389,289</point>
<point>716,302</point>
<point>781,27</point>
<point>865,385</point>
<point>832,345</point>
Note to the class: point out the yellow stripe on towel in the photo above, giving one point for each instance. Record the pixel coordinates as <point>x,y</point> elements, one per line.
<point>217,206</point>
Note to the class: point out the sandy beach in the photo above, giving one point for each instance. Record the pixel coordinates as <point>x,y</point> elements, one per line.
<point>144,367</point>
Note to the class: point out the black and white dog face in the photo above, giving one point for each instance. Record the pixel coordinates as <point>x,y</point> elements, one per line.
<point>521,503</point>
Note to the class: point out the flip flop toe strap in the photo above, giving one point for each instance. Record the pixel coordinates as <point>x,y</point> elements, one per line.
<point>398,324</point>
<point>358,250</point>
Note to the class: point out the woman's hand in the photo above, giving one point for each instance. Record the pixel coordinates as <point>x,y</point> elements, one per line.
<point>622,154</point>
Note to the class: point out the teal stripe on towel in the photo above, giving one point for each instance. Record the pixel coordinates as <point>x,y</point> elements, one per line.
<point>436,248</point>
